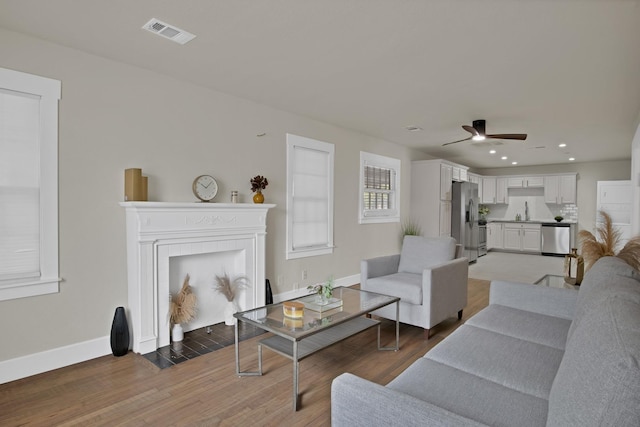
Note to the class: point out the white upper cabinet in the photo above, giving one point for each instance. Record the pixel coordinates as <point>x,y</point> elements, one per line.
<point>488,190</point>
<point>525,181</point>
<point>501,191</point>
<point>560,189</point>
<point>446,178</point>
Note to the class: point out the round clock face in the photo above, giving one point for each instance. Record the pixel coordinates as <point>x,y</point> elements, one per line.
<point>205,188</point>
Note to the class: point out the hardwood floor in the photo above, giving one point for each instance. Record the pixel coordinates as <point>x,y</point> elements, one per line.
<point>205,391</point>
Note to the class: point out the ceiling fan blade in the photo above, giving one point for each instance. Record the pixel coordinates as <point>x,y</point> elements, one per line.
<point>519,136</point>
<point>471,130</point>
<point>455,142</point>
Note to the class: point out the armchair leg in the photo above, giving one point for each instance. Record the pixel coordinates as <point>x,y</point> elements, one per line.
<point>460,315</point>
<point>427,333</point>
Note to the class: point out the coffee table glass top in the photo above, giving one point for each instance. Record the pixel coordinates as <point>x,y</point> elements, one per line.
<point>355,303</point>
<point>555,281</point>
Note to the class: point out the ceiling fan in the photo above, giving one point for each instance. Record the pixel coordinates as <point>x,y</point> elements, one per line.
<point>478,133</point>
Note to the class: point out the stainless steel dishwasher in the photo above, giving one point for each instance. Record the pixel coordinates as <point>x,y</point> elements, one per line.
<point>556,238</point>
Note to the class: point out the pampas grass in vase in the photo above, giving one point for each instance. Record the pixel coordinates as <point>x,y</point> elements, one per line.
<point>182,309</point>
<point>594,248</point>
<point>229,288</point>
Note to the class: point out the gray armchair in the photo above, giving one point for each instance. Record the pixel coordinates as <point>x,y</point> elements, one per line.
<point>429,276</point>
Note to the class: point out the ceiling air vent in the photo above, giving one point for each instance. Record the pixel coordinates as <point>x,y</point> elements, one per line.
<point>168,31</point>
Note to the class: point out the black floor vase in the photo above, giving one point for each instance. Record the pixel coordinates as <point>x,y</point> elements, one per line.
<point>119,333</point>
<point>268,293</point>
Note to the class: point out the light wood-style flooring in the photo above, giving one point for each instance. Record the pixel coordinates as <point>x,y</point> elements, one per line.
<point>205,391</point>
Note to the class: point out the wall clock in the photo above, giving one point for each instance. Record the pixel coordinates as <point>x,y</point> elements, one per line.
<point>205,188</point>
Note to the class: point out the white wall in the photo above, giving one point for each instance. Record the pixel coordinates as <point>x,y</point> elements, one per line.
<point>114,117</point>
<point>588,175</point>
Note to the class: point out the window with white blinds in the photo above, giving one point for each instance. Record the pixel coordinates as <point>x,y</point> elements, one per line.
<point>28,185</point>
<point>379,189</point>
<point>309,197</point>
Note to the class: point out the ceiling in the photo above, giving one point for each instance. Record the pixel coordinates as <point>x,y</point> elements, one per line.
<point>562,71</point>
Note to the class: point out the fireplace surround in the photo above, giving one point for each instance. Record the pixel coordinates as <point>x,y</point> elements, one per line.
<point>158,233</point>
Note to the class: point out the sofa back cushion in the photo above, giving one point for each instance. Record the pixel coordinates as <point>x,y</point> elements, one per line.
<point>598,380</point>
<point>419,253</point>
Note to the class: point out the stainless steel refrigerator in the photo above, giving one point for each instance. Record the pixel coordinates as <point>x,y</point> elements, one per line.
<point>464,217</point>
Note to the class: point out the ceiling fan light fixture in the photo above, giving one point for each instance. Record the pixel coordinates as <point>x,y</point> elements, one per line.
<point>478,137</point>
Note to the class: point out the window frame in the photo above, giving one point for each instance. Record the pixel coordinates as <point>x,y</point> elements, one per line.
<point>294,142</point>
<point>49,91</point>
<point>366,216</point>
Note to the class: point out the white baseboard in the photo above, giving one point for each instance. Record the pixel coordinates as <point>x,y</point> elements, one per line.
<point>37,363</point>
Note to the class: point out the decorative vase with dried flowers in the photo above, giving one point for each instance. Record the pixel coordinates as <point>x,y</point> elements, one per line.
<point>323,291</point>
<point>229,288</point>
<point>258,183</point>
<point>609,237</point>
<point>182,309</point>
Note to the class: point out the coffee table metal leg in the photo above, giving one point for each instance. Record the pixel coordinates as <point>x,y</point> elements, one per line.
<point>246,373</point>
<point>296,367</point>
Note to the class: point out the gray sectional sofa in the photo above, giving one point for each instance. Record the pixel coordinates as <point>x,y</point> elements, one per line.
<point>536,356</point>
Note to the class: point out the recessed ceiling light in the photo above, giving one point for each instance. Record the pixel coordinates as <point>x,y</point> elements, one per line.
<point>492,151</point>
<point>413,128</point>
<point>514,163</point>
<point>571,159</point>
<point>562,145</point>
<point>504,157</point>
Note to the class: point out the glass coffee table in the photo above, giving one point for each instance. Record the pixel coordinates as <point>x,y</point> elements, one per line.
<point>298,338</point>
<point>555,281</point>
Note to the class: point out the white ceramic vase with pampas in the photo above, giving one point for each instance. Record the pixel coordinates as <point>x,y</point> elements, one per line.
<point>229,288</point>
<point>182,309</point>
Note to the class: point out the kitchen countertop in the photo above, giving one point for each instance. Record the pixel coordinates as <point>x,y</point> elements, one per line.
<point>532,221</point>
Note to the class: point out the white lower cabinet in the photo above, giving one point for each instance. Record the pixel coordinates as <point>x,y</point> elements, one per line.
<point>494,236</point>
<point>522,237</point>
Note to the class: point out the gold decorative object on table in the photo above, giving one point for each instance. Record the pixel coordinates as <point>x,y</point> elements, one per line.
<point>293,309</point>
<point>573,268</point>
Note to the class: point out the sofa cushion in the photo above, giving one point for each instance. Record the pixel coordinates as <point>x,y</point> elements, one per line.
<point>598,381</point>
<point>538,328</point>
<point>419,253</point>
<point>511,362</point>
<point>406,286</point>
<point>469,395</point>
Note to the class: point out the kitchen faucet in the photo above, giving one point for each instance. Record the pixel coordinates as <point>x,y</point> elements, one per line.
<point>526,212</point>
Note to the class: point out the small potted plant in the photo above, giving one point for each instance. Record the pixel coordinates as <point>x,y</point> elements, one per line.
<point>323,291</point>
<point>483,210</point>
<point>258,183</point>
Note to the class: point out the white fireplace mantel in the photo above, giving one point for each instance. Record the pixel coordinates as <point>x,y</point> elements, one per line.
<point>155,228</point>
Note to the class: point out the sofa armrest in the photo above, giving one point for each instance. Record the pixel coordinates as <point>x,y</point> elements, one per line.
<point>445,287</point>
<point>358,402</point>
<point>535,298</point>
<point>377,267</point>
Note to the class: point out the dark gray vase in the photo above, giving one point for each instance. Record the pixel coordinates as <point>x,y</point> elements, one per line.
<point>119,333</point>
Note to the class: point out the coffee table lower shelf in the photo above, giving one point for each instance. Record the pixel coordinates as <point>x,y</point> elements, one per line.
<point>318,341</point>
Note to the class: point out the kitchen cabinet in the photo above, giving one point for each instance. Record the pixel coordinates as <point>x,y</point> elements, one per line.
<point>445,219</point>
<point>494,236</point>
<point>501,191</point>
<point>525,181</point>
<point>446,178</point>
<point>560,189</point>
<point>488,190</point>
<point>522,237</point>
<point>431,195</point>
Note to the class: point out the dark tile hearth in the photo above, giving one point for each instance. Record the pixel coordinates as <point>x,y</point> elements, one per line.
<point>200,341</point>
